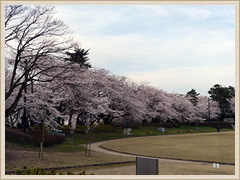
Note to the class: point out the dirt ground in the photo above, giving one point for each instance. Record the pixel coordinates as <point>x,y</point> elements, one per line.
<point>16,157</point>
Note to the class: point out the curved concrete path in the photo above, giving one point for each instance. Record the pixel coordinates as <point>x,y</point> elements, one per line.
<point>97,146</point>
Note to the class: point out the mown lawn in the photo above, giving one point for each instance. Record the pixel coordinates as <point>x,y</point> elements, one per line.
<point>81,138</point>
<point>116,133</point>
<point>209,147</point>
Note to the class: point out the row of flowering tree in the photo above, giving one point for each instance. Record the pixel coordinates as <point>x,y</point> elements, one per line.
<point>48,77</point>
<point>84,96</point>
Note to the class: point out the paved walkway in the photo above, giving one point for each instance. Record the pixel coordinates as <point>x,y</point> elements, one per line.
<point>98,147</point>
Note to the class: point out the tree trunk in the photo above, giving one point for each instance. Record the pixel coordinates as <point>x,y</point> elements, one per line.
<point>70,120</point>
<point>24,120</point>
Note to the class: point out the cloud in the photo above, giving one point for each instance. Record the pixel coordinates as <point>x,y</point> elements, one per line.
<point>183,79</point>
<point>200,47</point>
<point>142,41</point>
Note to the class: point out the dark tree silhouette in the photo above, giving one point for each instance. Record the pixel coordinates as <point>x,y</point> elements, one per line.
<point>80,56</point>
<point>193,96</point>
<point>222,95</point>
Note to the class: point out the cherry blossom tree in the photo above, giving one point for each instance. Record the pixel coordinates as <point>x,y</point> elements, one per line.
<point>156,102</point>
<point>203,109</point>
<point>31,36</point>
<point>182,109</point>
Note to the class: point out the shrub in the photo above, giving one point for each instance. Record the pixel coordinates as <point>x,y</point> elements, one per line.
<point>217,124</point>
<point>15,135</point>
<point>40,171</point>
<point>19,125</point>
<point>35,171</point>
<point>104,128</point>
<point>80,129</point>
<point>122,123</point>
<point>48,139</point>
<point>32,137</point>
<point>65,129</point>
<point>170,125</point>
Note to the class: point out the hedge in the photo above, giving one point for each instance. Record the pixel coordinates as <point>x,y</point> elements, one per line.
<point>32,137</point>
<point>104,128</point>
<point>16,135</point>
<point>170,125</point>
<point>41,171</point>
<point>217,124</point>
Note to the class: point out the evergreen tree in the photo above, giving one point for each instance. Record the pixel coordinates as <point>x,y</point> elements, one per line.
<point>193,95</point>
<point>80,56</point>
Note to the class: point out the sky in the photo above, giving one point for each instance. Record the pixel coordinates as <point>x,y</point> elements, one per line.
<point>175,48</point>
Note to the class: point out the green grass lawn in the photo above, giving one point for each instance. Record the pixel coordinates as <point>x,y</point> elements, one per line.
<point>18,154</point>
<point>80,138</point>
<point>209,147</point>
<point>116,133</point>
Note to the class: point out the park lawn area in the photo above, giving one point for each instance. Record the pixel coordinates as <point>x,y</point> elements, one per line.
<point>116,133</point>
<point>209,147</point>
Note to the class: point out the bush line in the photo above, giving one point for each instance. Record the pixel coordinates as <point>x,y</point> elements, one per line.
<point>79,166</point>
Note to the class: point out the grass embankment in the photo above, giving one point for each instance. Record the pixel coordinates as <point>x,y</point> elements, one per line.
<point>209,147</point>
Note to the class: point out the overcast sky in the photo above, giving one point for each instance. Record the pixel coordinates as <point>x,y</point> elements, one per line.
<point>173,47</point>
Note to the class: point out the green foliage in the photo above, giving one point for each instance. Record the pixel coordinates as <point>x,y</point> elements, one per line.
<point>39,129</point>
<point>32,138</point>
<point>169,125</point>
<point>104,128</point>
<point>80,56</point>
<point>217,124</point>
<point>80,129</point>
<point>222,95</point>
<point>82,173</point>
<point>193,96</point>
<point>40,171</point>
<point>19,125</point>
<point>49,140</point>
<point>70,173</point>
<point>65,129</point>
<point>17,136</point>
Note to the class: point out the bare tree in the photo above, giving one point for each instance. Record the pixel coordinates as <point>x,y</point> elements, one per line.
<point>34,43</point>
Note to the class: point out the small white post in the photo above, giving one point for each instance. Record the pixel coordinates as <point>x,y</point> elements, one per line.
<point>216,166</point>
